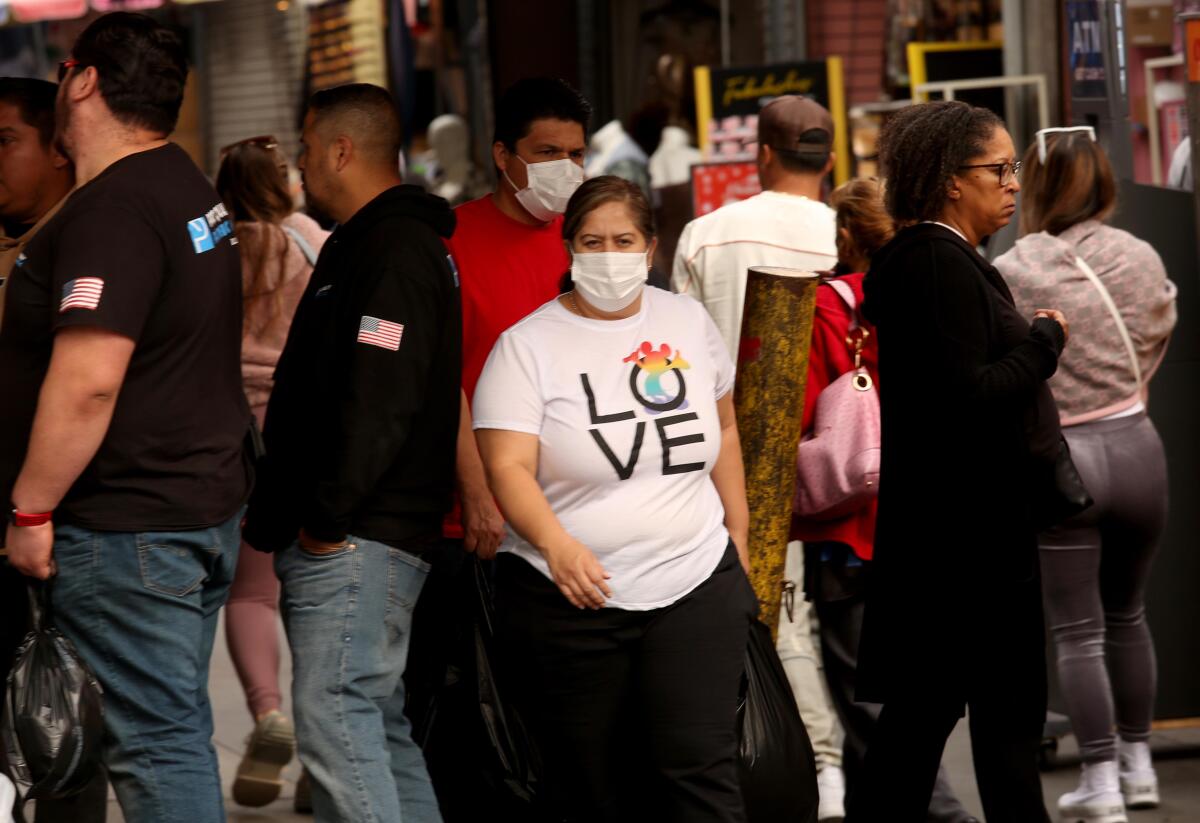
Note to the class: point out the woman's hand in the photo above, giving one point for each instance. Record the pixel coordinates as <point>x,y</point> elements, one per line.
<point>1058,317</point>
<point>578,574</point>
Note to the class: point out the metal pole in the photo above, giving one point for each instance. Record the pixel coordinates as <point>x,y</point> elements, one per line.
<point>769,398</point>
<point>1191,45</point>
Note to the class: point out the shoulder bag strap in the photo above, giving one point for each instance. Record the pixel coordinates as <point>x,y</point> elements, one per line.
<point>305,248</point>
<point>1116,314</point>
<point>843,290</point>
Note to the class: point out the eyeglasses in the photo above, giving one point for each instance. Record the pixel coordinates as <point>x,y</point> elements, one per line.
<point>265,142</point>
<point>1041,136</point>
<point>1007,172</point>
<point>65,66</point>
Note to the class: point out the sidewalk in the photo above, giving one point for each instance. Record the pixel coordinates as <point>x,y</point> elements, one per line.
<point>1177,756</point>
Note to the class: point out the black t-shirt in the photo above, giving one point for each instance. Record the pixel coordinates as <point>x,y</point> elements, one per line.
<point>145,250</point>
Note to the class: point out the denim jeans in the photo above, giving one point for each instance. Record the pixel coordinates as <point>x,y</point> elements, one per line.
<point>142,608</point>
<point>348,616</point>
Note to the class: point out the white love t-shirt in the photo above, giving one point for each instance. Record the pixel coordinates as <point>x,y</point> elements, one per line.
<point>626,417</point>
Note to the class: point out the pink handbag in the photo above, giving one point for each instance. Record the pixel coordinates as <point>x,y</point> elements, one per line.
<point>837,464</point>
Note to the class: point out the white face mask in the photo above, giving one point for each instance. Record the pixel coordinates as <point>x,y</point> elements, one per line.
<point>551,185</point>
<point>610,280</point>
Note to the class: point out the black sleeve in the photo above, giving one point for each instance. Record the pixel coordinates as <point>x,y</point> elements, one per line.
<point>108,268</point>
<point>404,305</point>
<point>960,303</point>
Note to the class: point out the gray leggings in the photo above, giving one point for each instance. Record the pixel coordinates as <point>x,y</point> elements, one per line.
<point>1094,571</point>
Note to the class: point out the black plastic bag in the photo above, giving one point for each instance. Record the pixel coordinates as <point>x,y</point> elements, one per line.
<point>776,765</point>
<point>53,717</point>
<point>480,757</point>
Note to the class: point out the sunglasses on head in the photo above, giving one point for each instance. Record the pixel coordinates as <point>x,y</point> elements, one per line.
<point>1041,136</point>
<point>265,142</point>
<point>64,66</point>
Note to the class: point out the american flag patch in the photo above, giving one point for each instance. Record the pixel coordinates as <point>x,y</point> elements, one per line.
<point>81,293</point>
<point>382,333</point>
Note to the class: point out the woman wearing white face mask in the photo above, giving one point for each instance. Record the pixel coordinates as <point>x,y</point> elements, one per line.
<point>605,421</point>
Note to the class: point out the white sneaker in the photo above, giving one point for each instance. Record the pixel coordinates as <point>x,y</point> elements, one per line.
<point>1139,782</point>
<point>1098,798</point>
<point>831,795</point>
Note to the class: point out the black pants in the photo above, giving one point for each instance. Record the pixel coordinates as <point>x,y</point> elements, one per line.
<point>841,627</point>
<point>634,711</point>
<point>1001,681</point>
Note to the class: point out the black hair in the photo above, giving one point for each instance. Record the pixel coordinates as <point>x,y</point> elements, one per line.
<point>34,99</point>
<point>142,66</point>
<point>807,162</point>
<point>538,98</point>
<point>366,114</point>
<point>922,147</point>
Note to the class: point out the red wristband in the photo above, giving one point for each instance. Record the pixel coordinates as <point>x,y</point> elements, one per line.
<point>24,520</point>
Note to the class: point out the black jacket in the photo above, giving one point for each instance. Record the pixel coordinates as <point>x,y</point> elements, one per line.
<point>965,413</point>
<point>360,439</point>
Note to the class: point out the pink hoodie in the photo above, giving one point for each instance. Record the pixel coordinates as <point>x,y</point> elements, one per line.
<point>269,311</point>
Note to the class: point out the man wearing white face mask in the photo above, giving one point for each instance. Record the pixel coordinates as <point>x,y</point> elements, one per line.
<point>510,258</point>
<point>509,255</point>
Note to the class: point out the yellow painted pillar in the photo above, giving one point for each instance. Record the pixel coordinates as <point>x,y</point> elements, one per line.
<point>769,397</point>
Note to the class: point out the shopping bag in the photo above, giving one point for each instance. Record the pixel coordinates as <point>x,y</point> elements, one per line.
<point>776,766</point>
<point>480,757</point>
<point>53,721</point>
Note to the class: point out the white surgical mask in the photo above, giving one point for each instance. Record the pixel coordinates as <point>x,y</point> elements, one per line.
<point>610,280</point>
<point>551,185</point>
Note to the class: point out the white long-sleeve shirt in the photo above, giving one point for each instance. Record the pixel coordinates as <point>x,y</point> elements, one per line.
<point>768,229</point>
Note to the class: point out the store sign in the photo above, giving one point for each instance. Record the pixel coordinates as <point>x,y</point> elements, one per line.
<point>728,101</point>
<point>717,184</point>
<point>31,11</point>
<point>1085,47</point>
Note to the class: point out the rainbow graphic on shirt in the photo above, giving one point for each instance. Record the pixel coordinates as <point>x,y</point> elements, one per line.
<point>653,364</point>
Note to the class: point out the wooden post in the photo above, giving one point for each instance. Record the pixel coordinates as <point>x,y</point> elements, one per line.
<point>769,397</point>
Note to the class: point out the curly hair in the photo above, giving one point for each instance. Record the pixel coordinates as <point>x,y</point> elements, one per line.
<point>922,147</point>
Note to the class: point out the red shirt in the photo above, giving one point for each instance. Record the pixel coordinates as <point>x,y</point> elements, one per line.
<point>506,270</point>
<point>830,358</point>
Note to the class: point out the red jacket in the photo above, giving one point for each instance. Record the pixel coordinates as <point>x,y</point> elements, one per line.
<point>830,358</point>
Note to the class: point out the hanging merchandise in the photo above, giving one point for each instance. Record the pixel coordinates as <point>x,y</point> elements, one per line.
<point>31,11</point>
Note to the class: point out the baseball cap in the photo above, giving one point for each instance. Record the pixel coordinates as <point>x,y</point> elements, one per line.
<point>784,119</point>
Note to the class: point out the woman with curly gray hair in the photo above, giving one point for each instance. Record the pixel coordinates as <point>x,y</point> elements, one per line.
<point>953,615</point>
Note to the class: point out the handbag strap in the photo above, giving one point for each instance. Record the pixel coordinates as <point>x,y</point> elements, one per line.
<point>854,340</point>
<point>843,290</point>
<point>1116,314</point>
<point>305,247</point>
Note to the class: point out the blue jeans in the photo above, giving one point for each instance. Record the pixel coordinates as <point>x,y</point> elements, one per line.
<point>141,608</point>
<point>348,616</point>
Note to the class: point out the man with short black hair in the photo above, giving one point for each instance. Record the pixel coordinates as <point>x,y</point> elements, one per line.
<point>510,255</point>
<point>360,435</point>
<point>123,421</point>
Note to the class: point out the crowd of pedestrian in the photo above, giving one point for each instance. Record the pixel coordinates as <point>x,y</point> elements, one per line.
<point>499,384</point>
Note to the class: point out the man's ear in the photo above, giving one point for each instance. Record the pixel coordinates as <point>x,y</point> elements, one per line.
<point>343,151</point>
<point>57,158</point>
<point>829,164</point>
<point>952,189</point>
<point>83,84</point>
<point>500,156</point>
